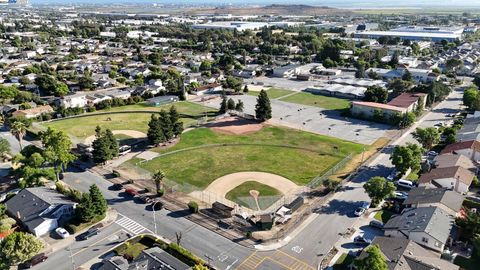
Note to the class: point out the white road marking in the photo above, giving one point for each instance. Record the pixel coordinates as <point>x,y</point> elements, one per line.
<point>297,249</point>
<point>130,225</point>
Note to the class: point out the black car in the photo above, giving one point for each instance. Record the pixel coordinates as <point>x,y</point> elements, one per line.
<point>39,258</point>
<point>117,187</point>
<point>91,232</point>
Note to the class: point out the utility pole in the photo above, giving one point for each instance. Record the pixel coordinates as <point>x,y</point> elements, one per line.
<point>71,257</point>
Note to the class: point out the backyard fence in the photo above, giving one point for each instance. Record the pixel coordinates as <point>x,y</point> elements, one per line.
<point>319,179</point>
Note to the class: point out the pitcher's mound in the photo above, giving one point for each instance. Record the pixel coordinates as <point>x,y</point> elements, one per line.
<point>235,126</point>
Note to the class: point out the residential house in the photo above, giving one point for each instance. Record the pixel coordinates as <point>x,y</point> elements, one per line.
<point>450,160</point>
<point>119,93</point>
<point>456,178</point>
<point>470,149</point>
<point>97,98</point>
<point>33,112</point>
<point>209,88</point>
<point>77,100</point>
<point>40,209</point>
<point>285,71</point>
<point>448,200</point>
<point>427,226</point>
<point>404,254</point>
<point>149,259</point>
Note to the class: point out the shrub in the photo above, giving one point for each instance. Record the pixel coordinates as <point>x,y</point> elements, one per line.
<point>471,204</point>
<point>160,192</point>
<point>183,255</point>
<point>193,206</point>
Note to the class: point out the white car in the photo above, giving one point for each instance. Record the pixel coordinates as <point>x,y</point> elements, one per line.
<point>400,195</point>
<point>62,232</point>
<point>432,154</point>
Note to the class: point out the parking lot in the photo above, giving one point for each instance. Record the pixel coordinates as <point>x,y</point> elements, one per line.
<point>313,119</point>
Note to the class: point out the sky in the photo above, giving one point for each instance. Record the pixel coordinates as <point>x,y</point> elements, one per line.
<point>331,3</point>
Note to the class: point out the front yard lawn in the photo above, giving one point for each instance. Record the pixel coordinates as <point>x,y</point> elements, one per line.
<point>383,215</point>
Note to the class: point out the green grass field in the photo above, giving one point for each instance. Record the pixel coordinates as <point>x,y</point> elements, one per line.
<point>331,103</point>
<point>199,167</point>
<point>273,93</point>
<point>85,126</point>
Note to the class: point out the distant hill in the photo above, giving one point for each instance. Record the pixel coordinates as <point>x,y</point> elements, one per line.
<point>275,9</point>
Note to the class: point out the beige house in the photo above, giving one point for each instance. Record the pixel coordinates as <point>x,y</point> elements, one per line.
<point>456,178</point>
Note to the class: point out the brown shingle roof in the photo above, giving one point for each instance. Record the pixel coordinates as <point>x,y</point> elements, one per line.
<point>450,160</point>
<point>405,100</point>
<point>473,144</point>
<point>457,172</point>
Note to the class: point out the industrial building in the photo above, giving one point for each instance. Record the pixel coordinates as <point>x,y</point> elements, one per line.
<point>416,33</point>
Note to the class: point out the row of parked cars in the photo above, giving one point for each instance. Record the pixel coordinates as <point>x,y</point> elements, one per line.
<point>137,195</point>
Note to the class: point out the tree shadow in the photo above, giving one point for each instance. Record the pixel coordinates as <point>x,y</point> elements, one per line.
<point>339,207</point>
<point>179,213</point>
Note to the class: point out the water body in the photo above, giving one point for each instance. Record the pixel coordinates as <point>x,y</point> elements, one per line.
<point>331,3</point>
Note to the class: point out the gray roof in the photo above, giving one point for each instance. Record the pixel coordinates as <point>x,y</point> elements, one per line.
<point>32,205</point>
<point>423,195</point>
<point>404,254</point>
<point>149,259</point>
<point>431,220</point>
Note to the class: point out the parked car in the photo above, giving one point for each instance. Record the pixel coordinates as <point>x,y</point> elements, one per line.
<point>117,187</point>
<point>359,211</point>
<point>131,191</point>
<point>376,224</point>
<point>392,175</point>
<point>400,195</point>
<point>39,258</point>
<point>89,233</point>
<point>432,154</point>
<point>405,184</point>
<point>360,240</point>
<point>62,232</point>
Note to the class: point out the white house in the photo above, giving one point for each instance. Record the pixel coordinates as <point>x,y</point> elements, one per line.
<point>40,209</point>
<point>78,100</point>
<point>456,178</point>
<point>427,226</point>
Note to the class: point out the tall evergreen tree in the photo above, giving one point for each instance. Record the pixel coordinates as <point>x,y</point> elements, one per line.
<point>239,106</point>
<point>223,105</point>
<point>98,201</point>
<point>177,127</point>
<point>263,109</point>
<point>105,146</point>
<point>155,133</point>
<point>230,104</point>
<point>165,125</point>
<point>85,210</point>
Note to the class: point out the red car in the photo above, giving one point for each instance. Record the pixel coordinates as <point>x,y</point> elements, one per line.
<point>131,191</point>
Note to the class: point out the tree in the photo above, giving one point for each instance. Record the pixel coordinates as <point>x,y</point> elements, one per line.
<point>86,82</point>
<point>230,104</point>
<point>60,89</point>
<point>378,188</point>
<point>154,133</point>
<point>57,146</point>
<point>105,146</point>
<point>19,247</point>
<point>177,125</point>
<point>245,89</point>
<point>376,94</point>
<point>394,60</point>
<point>18,129</point>
<point>99,203</point>
<point>239,106</point>
<point>158,177</point>
<point>407,157</point>
<point>476,244</point>
<point>427,137</point>
<point>223,105</point>
<point>85,210</point>
<point>263,109</point>
<point>407,120</point>
<point>399,86</point>
<point>373,260</point>
<point>470,96</point>
<point>4,147</point>
<point>407,76</point>
<point>469,224</point>
<point>166,125</point>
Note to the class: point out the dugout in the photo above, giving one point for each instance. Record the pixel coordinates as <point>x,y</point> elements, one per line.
<point>222,210</point>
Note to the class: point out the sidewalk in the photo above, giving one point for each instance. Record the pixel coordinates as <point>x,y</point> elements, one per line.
<point>53,245</point>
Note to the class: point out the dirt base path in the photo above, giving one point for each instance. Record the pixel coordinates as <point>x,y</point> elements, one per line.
<point>131,133</point>
<point>224,184</point>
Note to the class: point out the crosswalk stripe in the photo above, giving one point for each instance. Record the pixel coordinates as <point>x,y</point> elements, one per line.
<point>130,225</point>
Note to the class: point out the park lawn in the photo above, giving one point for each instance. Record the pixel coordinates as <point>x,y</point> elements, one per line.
<point>83,127</point>
<point>243,190</point>
<point>183,107</point>
<point>273,93</point>
<point>330,103</point>
<point>383,216</point>
<point>269,135</point>
<point>200,167</point>
<point>343,262</point>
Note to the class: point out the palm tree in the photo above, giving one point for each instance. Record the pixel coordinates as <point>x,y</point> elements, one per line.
<point>158,179</point>
<point>18,129</point>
